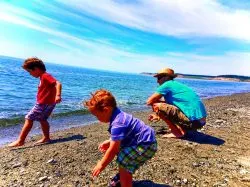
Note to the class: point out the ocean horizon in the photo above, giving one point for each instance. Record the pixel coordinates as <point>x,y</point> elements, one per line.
<point>18,89</point>
<point>18,94</point>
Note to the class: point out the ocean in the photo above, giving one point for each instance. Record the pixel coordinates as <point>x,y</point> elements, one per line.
<point>18,92</point>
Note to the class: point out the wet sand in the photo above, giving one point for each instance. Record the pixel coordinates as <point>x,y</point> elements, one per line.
<point>218,155</point>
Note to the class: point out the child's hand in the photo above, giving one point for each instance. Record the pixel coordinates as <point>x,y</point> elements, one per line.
<point>103,147</point>
<point>58,99</point>
<point>153,118</point>
<point>97,169</point>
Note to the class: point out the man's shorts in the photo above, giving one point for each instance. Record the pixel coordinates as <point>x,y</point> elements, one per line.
<point>176,116</point>
<point>131,158</point>
<point>40,112</point>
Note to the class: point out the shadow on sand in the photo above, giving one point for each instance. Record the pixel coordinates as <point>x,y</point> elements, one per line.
<point>66,139</point>
<point>148,183</point>
<point>201,138</point>
<point>59,140</point>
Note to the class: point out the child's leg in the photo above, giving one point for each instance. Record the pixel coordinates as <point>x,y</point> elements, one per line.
<point>24,132</point>
<point>125,178</point>
<point>45,128</point>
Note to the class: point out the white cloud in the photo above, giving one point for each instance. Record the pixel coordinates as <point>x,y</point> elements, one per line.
<point>181,18</point>
<point>118,60</point>
<point>178,18</point>
<point>100,46</point>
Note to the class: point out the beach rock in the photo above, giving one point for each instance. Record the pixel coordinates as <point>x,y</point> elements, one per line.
<point>43,178</point>
<point>247,179</point>
<point>22,171</point>
<point>58,174</point>
<point>25,163</point>
<point>185,181</point>
<point>51,161</point>
<point>195,164</point>
<point>243,171</point>
<point>19,164</point>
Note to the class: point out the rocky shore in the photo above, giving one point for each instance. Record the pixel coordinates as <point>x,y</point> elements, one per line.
<point>216,156</point>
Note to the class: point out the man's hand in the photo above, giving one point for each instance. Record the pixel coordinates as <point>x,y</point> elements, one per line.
<point>153,118</point>
<point>155,107</point>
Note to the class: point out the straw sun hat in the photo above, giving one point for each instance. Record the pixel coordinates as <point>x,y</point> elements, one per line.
<point>167,72</point>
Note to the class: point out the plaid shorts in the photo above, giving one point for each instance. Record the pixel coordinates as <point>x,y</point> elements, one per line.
<point>40,112</point>
<point>176,116</point>
<point>131,158</point>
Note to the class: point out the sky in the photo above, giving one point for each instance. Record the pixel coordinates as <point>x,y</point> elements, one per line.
<point>205,37</point>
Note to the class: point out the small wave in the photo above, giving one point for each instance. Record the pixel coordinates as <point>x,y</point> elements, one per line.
<point>71,113</point>
<point>4,122</point>
<point>127,102</point>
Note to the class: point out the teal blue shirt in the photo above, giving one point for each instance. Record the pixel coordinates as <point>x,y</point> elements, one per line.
<point>183,97</point>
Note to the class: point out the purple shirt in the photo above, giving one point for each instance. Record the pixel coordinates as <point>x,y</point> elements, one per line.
<point>131,131</point>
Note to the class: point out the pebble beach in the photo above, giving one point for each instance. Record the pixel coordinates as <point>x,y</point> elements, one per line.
<point>215,156</point>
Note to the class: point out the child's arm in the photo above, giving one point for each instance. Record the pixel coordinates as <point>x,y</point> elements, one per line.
<point>107,158</point>
<point>104,146</point>
<point>58,92</point>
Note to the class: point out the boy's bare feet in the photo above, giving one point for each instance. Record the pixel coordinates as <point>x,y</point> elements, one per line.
<point>16,143</point>
<point>43,140</point>
<point>171,135</point>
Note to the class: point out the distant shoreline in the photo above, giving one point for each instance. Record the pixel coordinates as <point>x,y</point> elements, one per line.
<point>234,78</point>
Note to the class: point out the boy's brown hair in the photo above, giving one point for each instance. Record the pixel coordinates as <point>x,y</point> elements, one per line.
<point>100,99</point>
<point>32,63</point>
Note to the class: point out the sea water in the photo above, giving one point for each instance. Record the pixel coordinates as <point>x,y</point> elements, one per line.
<point>18,91</point>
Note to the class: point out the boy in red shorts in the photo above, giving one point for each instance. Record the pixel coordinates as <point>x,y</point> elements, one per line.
<point>49,93</point>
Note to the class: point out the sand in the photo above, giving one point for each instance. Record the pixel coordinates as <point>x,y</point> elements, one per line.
<point>218,155</point>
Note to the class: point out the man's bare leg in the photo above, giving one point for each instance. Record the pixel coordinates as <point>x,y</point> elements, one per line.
<point>176,131</point>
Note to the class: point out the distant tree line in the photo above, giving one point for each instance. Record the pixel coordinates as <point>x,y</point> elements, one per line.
<point>235,77</point>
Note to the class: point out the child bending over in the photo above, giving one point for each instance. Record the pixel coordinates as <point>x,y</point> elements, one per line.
<point>49,93</point>
<point>131,139</point>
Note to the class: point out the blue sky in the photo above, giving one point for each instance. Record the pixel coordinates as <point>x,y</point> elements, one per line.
<point>209,37</point>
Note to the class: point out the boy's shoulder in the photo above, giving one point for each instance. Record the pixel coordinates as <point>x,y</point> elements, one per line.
<point>47,75</point>
<point>47,78</point>
<point>119,116</point>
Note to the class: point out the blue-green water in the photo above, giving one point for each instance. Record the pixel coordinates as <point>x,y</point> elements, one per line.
<point>18,94</point>
<point>18,89</point>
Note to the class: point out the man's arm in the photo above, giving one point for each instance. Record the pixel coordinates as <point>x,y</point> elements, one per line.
<point>154,99</point>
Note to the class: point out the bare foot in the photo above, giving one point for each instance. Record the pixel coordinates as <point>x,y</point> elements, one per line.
<point>43,140</point>
<point>171,135</point>
<point>16,143</point>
